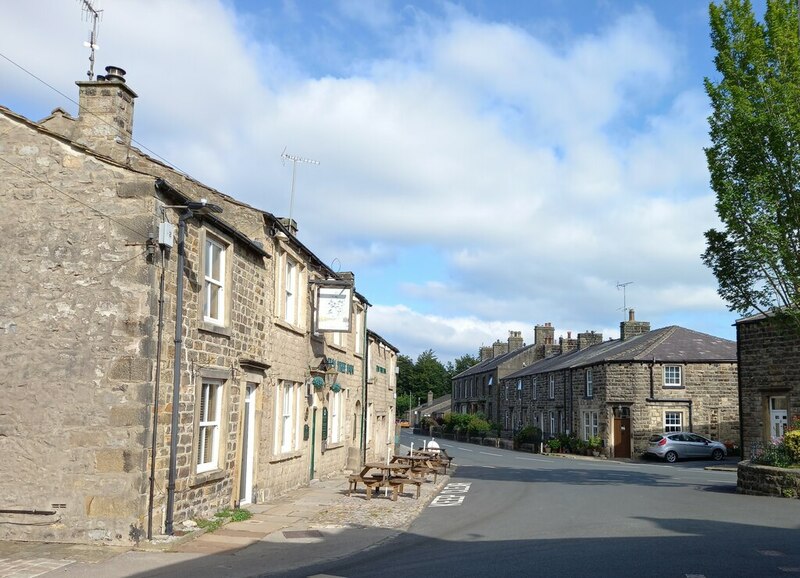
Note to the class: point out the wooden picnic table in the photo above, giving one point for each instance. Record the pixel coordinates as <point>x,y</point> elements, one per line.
<point>419,464</point>
<point>439,457</point>
<point>392,475</point>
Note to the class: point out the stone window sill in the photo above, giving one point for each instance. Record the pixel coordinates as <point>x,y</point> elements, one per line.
<point>289,327</point>
<point>285,457</point>
<point>216,329</point>
<point>206,477</point>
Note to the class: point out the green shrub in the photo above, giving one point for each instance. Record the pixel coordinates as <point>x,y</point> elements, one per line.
<point>454,422</point>
<point>773,455</point>
<point>478,427</point>
<point>528,435</point>
<point>554,444</point>
<point>791,440</point>
<point>595,443</point>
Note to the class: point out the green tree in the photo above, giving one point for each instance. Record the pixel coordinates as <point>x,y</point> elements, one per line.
<point>405,383</point>
<point>430,374</point>
<point>754,157</point>
<point>461,364</point>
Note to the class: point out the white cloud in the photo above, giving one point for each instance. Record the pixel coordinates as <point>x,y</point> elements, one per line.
<point>539,174</point>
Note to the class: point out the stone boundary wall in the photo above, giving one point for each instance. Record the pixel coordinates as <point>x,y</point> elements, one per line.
<point>756,480</point>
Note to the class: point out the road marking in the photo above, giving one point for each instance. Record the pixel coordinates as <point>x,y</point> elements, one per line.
<point>490,454</point>
<point>532,459</point>
<point>770,552</point>
<point>453,494</point>
<point>465,450</point>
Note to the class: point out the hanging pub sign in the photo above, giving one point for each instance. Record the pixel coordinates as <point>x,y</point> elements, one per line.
<point>334,309</point>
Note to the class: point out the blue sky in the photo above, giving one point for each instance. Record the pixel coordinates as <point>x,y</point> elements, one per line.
<point>485,166</point>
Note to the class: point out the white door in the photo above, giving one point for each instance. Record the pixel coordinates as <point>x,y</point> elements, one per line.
<point>778,416</point>
<point>248,428</point>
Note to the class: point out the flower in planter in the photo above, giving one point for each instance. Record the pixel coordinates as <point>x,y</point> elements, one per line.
<point>318,382</point>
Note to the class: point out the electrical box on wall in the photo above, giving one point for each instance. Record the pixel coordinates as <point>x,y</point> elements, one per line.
<point>165,234</point>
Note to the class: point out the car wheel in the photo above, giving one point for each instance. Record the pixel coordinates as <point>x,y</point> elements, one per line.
<point>717,454</point>
<point>671,457</point>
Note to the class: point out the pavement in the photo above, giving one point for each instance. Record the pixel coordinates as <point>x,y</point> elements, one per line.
<point>307,525</point>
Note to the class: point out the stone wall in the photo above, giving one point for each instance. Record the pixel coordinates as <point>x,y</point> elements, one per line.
<point>78,330</point>
<point>769,365</point>
<point>757,480</point>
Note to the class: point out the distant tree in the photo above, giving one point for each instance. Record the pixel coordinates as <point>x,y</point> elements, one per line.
<point>463,363</point>
<point>754,157</point>
<point>405,383</point>
<point>431,375</point>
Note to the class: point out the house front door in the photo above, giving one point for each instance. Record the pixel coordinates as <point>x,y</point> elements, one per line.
<point>778,416</point>
<point>622,437</point>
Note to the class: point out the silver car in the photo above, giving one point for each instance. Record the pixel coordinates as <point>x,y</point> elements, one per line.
<point>679,444</point>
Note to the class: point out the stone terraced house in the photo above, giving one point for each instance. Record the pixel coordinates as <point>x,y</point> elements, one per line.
<point>769,379</point>
<point>624,390</point>
<point>267,400</point>
<point>380,430</point>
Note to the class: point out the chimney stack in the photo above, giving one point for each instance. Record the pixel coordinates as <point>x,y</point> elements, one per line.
<point>515,340</point>
<point>105,115</point>
<point>632,328</point>
<point>589,338</point>
<point>485,353</point>
<point>290,224</point>
<point>430,397</point>
<point>544,334</point>
<point>499,348</point>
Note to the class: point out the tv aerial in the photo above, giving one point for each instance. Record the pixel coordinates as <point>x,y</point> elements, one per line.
<point>295,160</point>
<point>623,286</point>
<point>89,11</point>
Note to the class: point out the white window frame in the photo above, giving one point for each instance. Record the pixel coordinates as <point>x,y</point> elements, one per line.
<point>534,386</point>
<point>336,417</point>
<point>359,345</point>
<point>673,376</point>
<point>589,383</point>
<point>551,386</point>
<point>291,291</point>
<point>209,423</point>
<point>285,417</point>
<point>552,415</point>
<point>337,338</point>
<point>215,252</point>
<point>591,424</point>
<point>673,421</point>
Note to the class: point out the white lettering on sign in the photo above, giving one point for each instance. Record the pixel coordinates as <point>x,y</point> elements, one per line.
<point>452,494</point>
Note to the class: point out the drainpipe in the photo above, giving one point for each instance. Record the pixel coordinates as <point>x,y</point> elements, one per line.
<point>365,377</point>
<point>176,377</point>
<point>154,439</point>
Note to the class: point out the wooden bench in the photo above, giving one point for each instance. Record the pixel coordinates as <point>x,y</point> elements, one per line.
<point>424,470</point>
<point>398,483</point>
<point>370,484</point>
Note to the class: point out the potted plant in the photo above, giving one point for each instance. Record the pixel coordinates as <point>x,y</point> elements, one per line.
<point>553,445</point>
<point>595,443</point>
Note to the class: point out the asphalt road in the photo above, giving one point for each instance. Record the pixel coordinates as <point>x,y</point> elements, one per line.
<point>508,513</point>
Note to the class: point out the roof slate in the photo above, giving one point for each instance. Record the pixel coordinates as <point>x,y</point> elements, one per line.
<point>669,344</point>
<point>491,364</point>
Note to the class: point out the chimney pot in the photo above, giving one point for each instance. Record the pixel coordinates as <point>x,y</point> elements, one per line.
<point>631,316</point>
<point>114,73</point>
